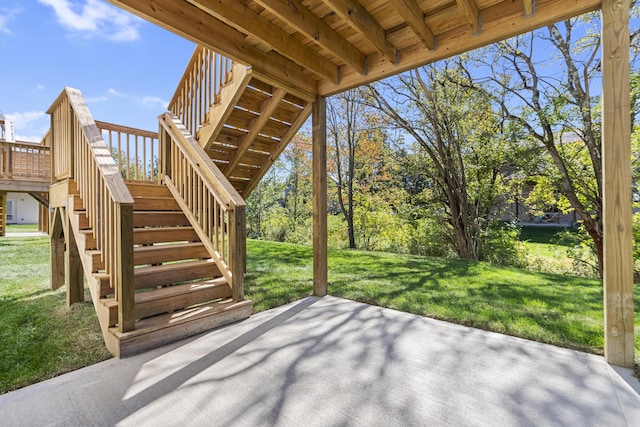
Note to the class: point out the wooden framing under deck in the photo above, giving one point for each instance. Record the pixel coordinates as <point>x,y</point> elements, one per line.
<point>314,48</point>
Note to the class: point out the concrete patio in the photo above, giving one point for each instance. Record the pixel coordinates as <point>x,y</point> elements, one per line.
<point>328,362</point>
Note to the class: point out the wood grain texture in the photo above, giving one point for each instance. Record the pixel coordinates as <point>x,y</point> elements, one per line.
<point>616,176</point>
<point>319,149</point>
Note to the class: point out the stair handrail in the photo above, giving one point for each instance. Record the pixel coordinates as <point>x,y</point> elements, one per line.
<point>204,77</point>
<point>214,208</point>
<point>78,152</point>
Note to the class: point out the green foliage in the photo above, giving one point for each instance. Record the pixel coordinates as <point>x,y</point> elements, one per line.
<point>581,252</point>
<point>502,245</point>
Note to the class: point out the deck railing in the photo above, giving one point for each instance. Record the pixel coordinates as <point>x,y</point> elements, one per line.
<point>80,153</point>
<point>23,160</point>
<point>214,208</point>
<point>204,77</point>
<point>134,150</point>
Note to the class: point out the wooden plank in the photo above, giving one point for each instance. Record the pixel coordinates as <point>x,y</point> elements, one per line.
<point>357,16</point>
<point>257,125</point>
<point>528,6</point>
<point>3,213</point>
<point>411,12</point>
<point>319,150</point>
<point>159,218</point>
<point>159,254</point>
<point>149,277</point>
<point>616,177</point>
<point>469,9</point>
<point>500,21</point>
<point>74,273</point>
<point>237,15</point>
<point>238,256</point>
<point>297,123</point>
<point>186,20</point>
<point>148,236</point>
<point>57,250</point>
<point>307,23</point>
<point>124,273</point>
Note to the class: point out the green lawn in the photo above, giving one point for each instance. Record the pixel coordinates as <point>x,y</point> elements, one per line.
<point>543,251</point>
<point>41,337</point>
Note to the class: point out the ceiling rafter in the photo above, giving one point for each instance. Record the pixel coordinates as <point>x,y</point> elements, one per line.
<point>352,12</point>
<point>411,12</point>
<point>192,23</point>
<point>503,20</point>
<point>469,9</point>
<point>307,23</point>
<point>528,6</point>
<point>237,15</point>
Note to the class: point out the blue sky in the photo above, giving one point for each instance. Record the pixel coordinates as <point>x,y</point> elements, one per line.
<point>126,68</point>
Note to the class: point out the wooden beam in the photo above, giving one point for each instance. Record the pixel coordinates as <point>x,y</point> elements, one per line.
<point>236,15</point>
<point>3,213</point>
<point>616,177</point>
<point>74,273</point>
<point>501,21</point>
<point>470,11</point>
<point>188,21</point>
<point>352,12</point>
<point>297,122</point>
<point>124,275</point>
<point>267,109</point>
<point>319,149</point>
<point>57,250</point>
<point>528,6</point>
<point>411,12</point>
<point>307,23</point>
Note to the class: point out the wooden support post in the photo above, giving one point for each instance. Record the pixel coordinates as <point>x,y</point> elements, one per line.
<point>616,177</point>
<point>238,256</point>
<point>3,213</point>
<point>57,250</point>
<point>125,288</point>
<point>74,272</point>
<point>320,263</point>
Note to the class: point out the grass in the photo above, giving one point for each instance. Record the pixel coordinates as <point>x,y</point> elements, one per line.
<point>543,251</point>
<point>41,337</point>
<point>22,228</point>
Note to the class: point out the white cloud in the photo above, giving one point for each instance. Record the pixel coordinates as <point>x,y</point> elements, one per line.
<point>38,88</point>
<point>7,15</point>
<point>95,18</point>
<point>155,102</point>
<point>24,121</point>
<point>112,91</point>
<point>30,125</point>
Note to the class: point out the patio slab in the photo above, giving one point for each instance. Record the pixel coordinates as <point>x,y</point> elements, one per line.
<point>333,362</point>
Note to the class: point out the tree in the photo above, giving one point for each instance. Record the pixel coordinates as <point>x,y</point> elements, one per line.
<point>550,95</point>
<point>462,140</point>
<point>355,140</point>
<point>297,158</point>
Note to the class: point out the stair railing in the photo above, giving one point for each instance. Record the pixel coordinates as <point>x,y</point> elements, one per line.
<point>214,208</point>
<point>204,77</point>
<point>79,153</point>
<point>135,151</point>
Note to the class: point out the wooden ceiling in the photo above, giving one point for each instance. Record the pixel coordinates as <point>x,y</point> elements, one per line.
<point>320,47</point>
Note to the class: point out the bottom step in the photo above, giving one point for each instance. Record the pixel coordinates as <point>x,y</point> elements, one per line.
<point>166,328</point>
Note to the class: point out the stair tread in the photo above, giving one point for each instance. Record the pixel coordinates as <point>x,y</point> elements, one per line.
<point>162,321</point>
<point>156,269</point>
<point>169,245</point>
<point>168,292</point>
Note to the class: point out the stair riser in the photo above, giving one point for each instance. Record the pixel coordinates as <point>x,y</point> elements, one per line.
<point>162,219</point>
<point>123,346</point>
<point>153,278</point>
<point>150,236</point>
<point>155,204</point>
<point>168,254</point>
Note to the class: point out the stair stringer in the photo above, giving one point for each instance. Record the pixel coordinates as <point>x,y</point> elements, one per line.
<point>220,111</point>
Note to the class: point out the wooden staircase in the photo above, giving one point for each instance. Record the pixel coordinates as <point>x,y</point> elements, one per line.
<point>164,252</point>
<point>179,290</point>
<point>246,122</point>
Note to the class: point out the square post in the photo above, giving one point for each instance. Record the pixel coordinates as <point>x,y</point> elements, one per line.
<point>616,179</point>
<point>320,263</point>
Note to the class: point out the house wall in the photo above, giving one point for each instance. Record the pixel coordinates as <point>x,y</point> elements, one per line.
<point>25,209</point>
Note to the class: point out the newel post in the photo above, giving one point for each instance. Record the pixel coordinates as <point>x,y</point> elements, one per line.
<point>616,180</point>
<point>124,267</point>
<point>238,256</point>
